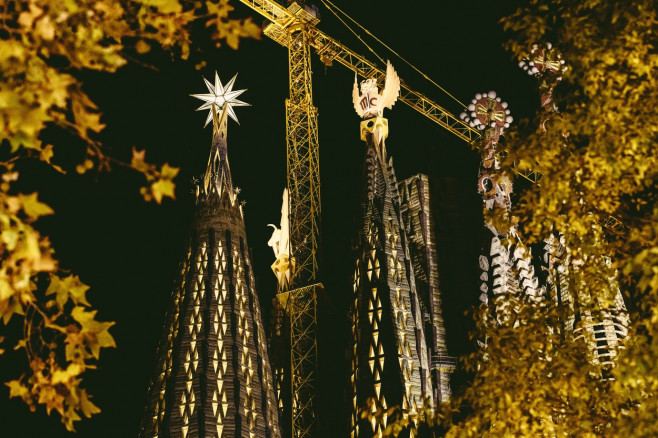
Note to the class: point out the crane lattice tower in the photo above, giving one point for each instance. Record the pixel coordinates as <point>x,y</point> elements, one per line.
<point>295,339</point>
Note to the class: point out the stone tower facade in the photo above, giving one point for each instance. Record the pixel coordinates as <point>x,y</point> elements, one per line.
<point>212,376</point>
<point>506,267</point>
<point>418,220</point>
<point>389,355</point>
<point>603,325</point>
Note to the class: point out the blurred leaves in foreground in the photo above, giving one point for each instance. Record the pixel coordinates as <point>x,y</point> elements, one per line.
<point>598,158</point>
<point>44,46</point>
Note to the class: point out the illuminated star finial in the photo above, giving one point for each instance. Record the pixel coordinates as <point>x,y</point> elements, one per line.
<point>220,95</point>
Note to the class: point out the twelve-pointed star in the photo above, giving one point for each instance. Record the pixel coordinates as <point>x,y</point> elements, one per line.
<point>219,96</point>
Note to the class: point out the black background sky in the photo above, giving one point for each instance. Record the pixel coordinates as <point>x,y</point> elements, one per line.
<point>128,250</point>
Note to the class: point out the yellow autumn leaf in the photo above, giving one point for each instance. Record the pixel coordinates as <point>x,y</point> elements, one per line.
<point>142,47</point>
<point>218,8</point>
<point>26,18</point>
<point>16,389</point>
<point>77,290</point>
<point>46,153</point>
<point>9,308</point>
<point>10,238</point>
<point>163,188</point>
<point>83,317</point>
<point>32,207</point>
<point>45,28</point>
<point>250,29</point>
<point>69,417</point>
<point>95,332</point>
<point>137,160</point>
<point>168,172</point>
<point>74,350</point>
<point>86,406</point>
<point>85,115</point>
<point>6,290</point>
<point>69,287</point>
<point>52,399</point>
<point>64,376</point>
<point>168,6</point>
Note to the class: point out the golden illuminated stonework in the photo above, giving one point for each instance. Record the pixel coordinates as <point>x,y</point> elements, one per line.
<point>213,376</point>
<point>390,359</point>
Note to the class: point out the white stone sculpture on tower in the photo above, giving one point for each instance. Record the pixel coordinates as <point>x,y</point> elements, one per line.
<point>370,103</point>
<point>280,244</point>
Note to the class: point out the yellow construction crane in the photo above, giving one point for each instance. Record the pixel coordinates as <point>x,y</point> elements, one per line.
<point>329,50</point>
<point>294,27</point>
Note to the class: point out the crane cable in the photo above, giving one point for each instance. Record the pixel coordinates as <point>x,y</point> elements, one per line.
<point>326,3</point>
<point>352,30</point>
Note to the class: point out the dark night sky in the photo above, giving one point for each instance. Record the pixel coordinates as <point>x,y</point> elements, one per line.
<point>128,250</point>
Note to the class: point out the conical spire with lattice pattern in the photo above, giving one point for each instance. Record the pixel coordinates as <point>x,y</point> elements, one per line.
<point>212,376</point>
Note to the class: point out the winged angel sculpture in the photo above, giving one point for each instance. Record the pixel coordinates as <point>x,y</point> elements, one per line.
<point>370,103</point>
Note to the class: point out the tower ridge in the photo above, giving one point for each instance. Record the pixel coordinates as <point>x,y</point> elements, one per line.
<point>217,177</point>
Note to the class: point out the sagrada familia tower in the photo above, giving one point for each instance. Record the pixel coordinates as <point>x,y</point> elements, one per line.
<point>212,376</point>
<point>507,267</point>
<point>398,355</point>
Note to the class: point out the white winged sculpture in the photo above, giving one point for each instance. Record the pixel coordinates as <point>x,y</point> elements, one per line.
<point>279,242</point>
<point>370,103</point>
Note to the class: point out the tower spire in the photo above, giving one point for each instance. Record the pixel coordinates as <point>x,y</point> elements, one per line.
<point>217,178</point>
<point>220,101</point>
<point>505,262</point>
<point>388,359</point>
<point>212,375</point>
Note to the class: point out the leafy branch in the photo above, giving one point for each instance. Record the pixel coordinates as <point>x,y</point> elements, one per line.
<point>44,45</point>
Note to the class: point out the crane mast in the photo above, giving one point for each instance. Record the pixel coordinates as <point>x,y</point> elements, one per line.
<point>303,179</point>
<point>296,372</point>
<point>303,160</point>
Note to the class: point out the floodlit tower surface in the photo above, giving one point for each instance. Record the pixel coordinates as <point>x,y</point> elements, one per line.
<point>506,266</point>
<point>418,221</point>
<point>212,376</point>
<point>389,356</point>
<point>602,325</point>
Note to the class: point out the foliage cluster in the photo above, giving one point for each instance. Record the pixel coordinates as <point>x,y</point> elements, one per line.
<point>598,159</point>
<point>45,46</point>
